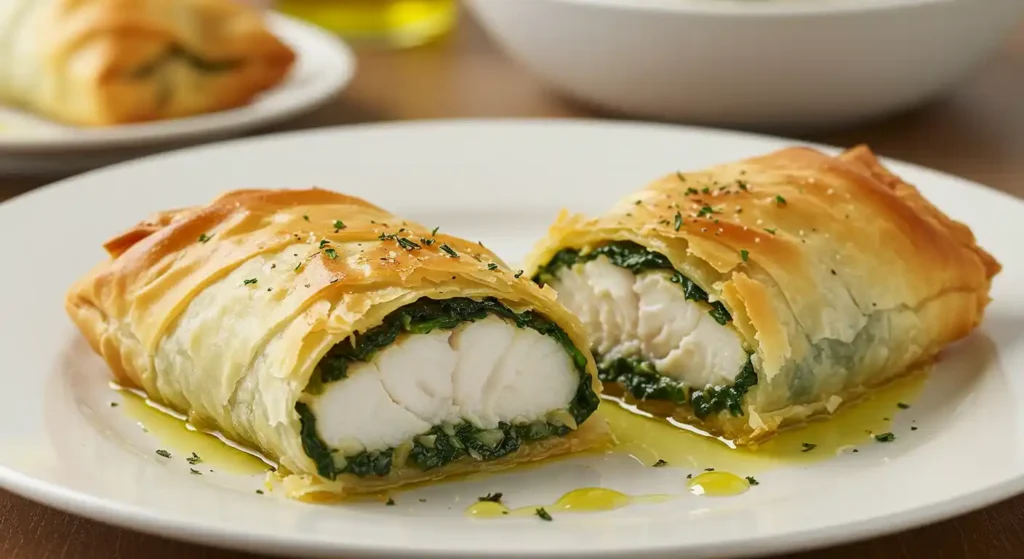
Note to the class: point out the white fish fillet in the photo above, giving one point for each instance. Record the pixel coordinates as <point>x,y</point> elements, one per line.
<point>482,372</point>
<point>648,316</point>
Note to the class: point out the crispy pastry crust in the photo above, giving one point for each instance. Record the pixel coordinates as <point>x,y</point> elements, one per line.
<point>838,247</point>
<point>228,331</point>
<point>106,62</point>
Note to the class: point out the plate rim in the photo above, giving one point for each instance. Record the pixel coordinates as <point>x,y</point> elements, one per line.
<point>137,518</point>
<point>235,120</point>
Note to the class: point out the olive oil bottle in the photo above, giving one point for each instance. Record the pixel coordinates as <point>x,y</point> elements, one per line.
<point>392,23</point>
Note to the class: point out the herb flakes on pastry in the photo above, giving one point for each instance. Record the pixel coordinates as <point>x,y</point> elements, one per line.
<point>359,350</point>
<point>758,294</point>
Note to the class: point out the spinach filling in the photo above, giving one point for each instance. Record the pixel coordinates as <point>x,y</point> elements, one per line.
<point>643,382</point>
<point>177,52</point>
<point>636,376</point>
<point>636,259</point>
<point>442,444</point>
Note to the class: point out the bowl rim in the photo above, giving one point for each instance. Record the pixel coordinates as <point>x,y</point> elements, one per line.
<point>756,8</point>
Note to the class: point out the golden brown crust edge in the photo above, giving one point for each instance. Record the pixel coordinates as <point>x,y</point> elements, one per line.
<point>801,247</point>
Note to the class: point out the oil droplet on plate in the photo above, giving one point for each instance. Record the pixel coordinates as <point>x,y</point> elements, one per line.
<point>587,499</point>
<point>591,499</point>
<point>717,484</point>
<point>214,452</point>
<point>487,509</point>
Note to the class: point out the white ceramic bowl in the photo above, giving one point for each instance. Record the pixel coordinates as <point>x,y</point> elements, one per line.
<point>751,63</point>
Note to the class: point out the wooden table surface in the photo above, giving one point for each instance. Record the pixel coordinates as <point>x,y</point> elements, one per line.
<point>977,132</point>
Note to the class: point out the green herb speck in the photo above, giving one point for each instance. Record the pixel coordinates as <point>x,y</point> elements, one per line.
<point>331,253</point>
<point>752,481</point>
<point>339,224</point>
<point>195,472</point>
<point>490,498</point>
<point>660,463</point>
<point>807,447</point>
<point>744,254</point>
<point>194,459</point>
<point>249,281</point>
<point>449,250</point>
<point>163,453</point>
<point>678,221</point>
<point>518,274</point>
<point>492,266</point>
<point>391,502</point>
<point>780,201</point>
<point>259,491</point>
<point>543,514</point>
<point>772,231</point>
<point>204,237</point>
<point>902,406</point>
<point>885,438</point>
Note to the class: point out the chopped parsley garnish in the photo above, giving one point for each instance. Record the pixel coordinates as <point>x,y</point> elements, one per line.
<point>305,216</point>
<point>427,242</point>
<point>637,203</point>
<point>772,231</point>
<point>744,254</point>
<point>659,463</point>
<point>114,404</point>
<point>780,201</point>
<point>709,469</point>
<point>518,274</point>
<point>742,184</point>
<point>331,253</point>
<point>752,481</point>
<point>807,447</point>
<point>297,266</point>
<point>249,281</point>
<point>194,459</point>
<point>324,243</point>
<point>902,406</point>
<point>705,190</point>
<point>885,438</point>
<point>449,250</point>
<point>691,190</point>
<point>259,491</point>
<point>195,472</point>
<point>339,224</point>
<point>163,453</point>
<point>390,503</point>
<point>678,221</point>
<point>543,514</point>
<point>204,237</point>
<point>689,476</point>
<point>681,177</point>
<point>490,498</point>
<point>913,428</point>
<point>407,244</point>
<point>492,266</point>
<point>705,211</point>
<point>434,232</point>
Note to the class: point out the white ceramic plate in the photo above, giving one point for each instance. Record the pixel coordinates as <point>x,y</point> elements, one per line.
<point>323,66</point>
<point>501,182</point>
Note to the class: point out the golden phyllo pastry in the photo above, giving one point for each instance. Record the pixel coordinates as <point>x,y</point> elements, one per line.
<point>106,62</point>
<point>757,294</point>
<point>359,350</point>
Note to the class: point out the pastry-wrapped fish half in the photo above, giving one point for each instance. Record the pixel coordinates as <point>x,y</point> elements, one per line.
<point>758,294</point>
<point>359,350</point>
